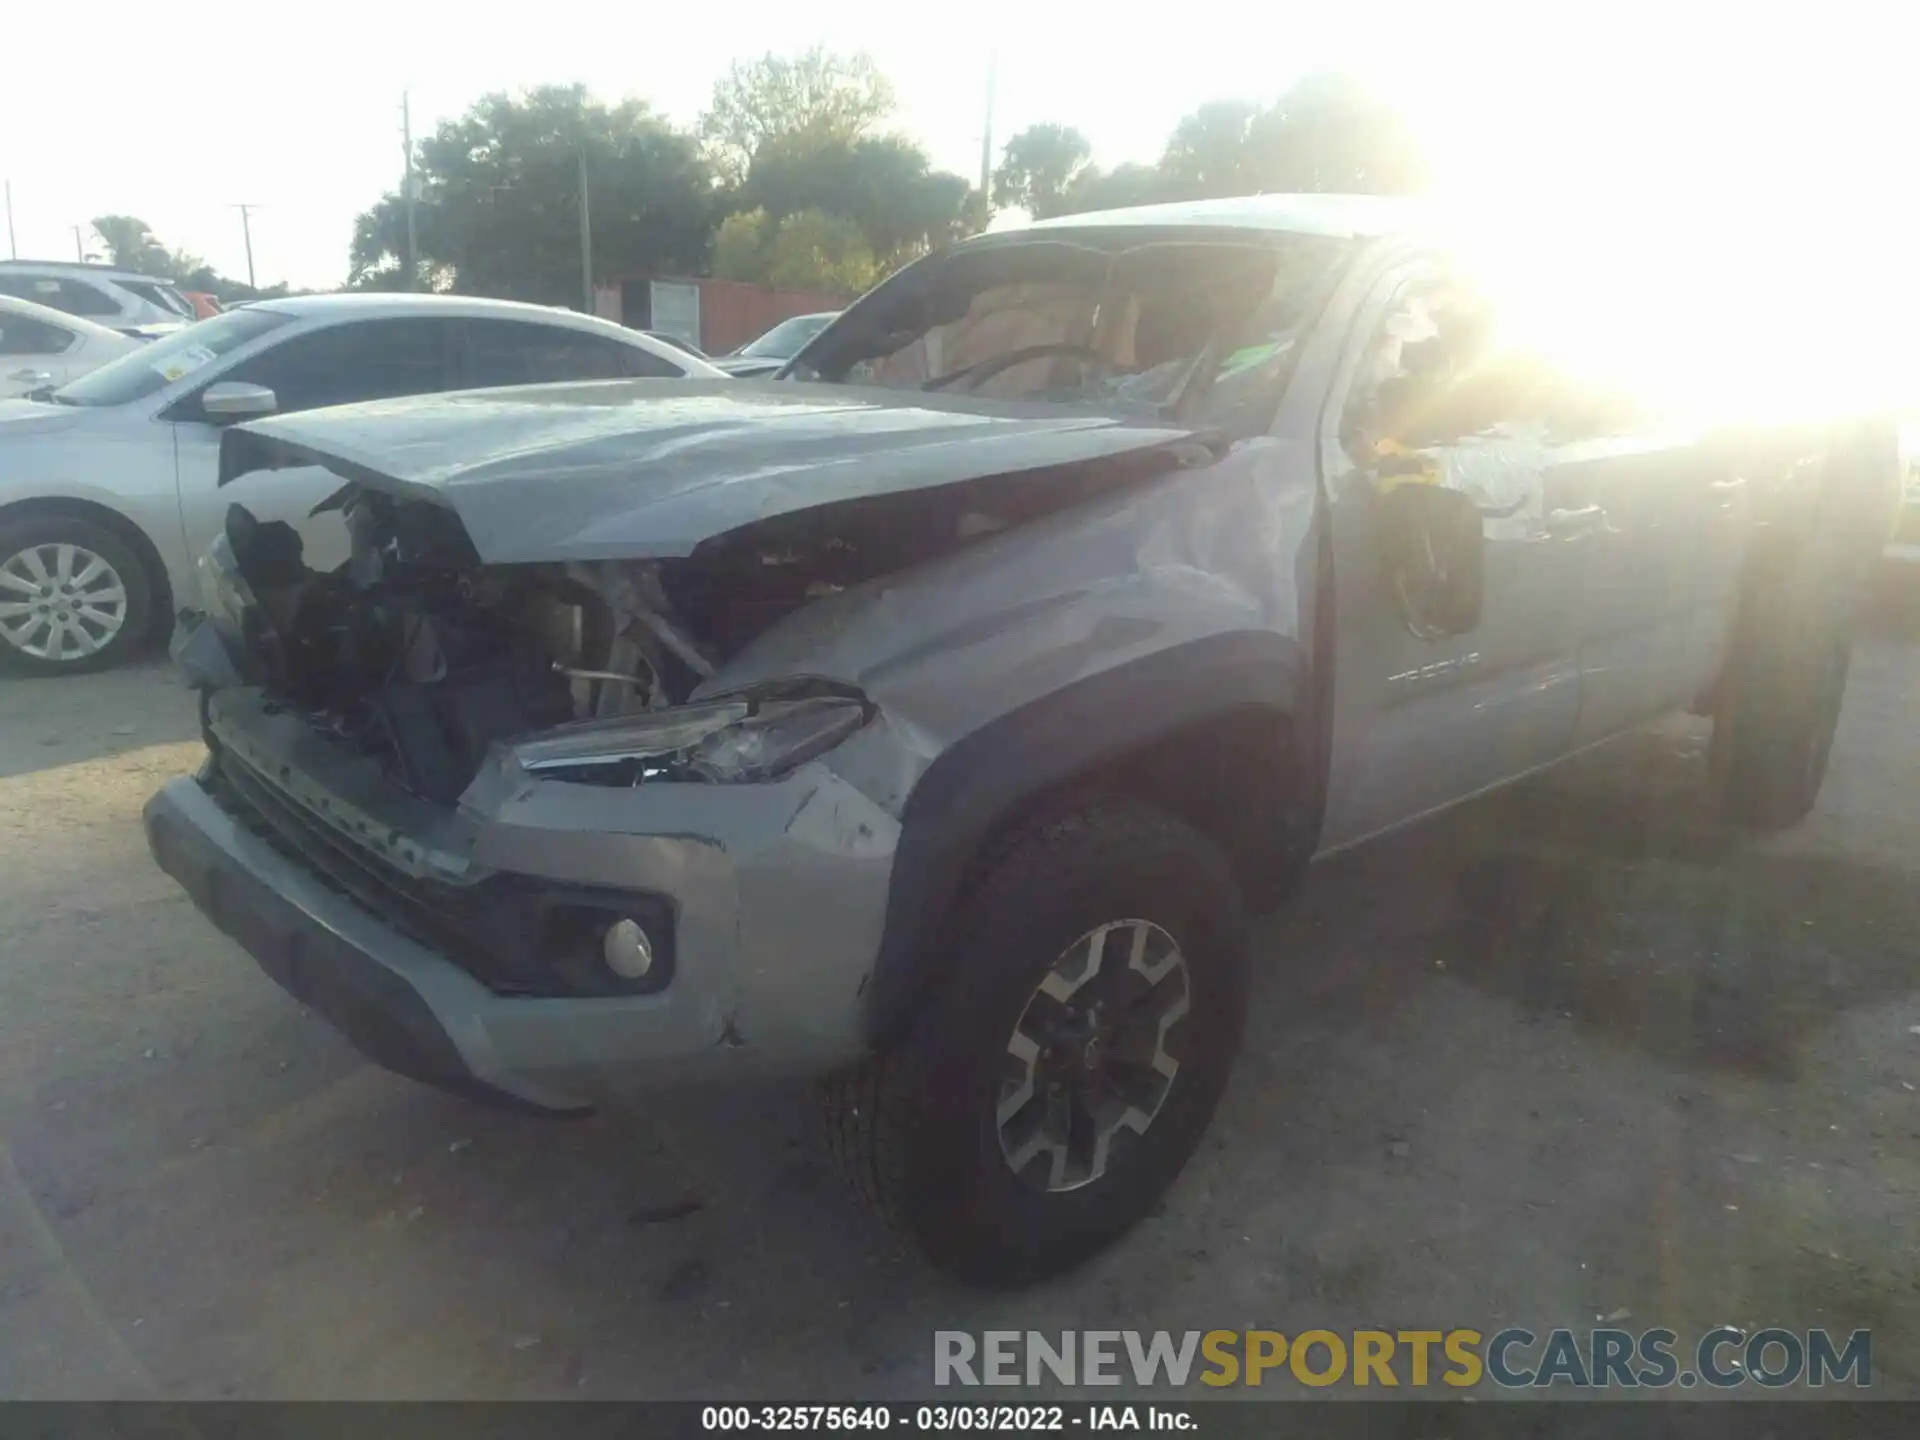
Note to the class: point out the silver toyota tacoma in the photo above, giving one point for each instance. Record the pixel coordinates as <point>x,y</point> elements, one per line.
<point>928,720</point>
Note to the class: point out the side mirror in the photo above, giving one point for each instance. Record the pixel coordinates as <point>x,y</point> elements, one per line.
<point>1433,558</point>
<point>232,400</point>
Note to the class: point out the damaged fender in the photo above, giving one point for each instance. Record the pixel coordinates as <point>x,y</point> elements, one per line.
<point>1163,648</point>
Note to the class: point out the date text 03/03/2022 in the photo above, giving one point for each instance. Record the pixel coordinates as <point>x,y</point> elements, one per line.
<point>937,1419</point>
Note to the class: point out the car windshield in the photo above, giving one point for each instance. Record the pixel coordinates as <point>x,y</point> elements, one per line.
<point>784,340</point>
<point>156,293</point>
<point>153,367</point>
<point>1201,326</point>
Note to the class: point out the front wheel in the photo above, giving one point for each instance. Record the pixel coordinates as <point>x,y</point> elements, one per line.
<point>1058,1079</point>
<point>73,595</point>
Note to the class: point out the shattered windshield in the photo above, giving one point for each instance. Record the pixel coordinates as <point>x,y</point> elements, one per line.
<point>1202,328</point>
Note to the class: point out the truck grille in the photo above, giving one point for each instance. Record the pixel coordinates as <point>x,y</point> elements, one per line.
<point>516,935</point>
<point>435,915</point>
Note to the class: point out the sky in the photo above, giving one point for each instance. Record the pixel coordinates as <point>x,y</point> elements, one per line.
<point>296,110</point>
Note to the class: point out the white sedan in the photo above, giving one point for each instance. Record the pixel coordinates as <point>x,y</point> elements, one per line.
<point>108,486</point>
<point>41,347</point>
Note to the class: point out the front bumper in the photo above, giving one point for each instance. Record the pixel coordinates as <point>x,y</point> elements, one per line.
<point>780,893</point>
<point>400,1005</point>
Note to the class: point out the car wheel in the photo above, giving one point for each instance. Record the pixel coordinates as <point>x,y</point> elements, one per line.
<point>73,596</point>
<point>1058,1079</point>
<point>1779,702</point>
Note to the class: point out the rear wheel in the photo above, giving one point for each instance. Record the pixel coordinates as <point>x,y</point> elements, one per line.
<point>1786,676</point>
<point>1059,1079</point>
<point>73,595</point>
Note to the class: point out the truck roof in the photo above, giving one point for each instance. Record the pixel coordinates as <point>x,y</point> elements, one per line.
<point>1356,216</point>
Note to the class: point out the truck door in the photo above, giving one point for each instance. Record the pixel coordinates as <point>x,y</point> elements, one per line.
<point>1422,719</point>
<point>1661,566</point>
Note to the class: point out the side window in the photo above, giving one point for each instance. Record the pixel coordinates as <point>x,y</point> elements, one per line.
<point>518,352</point>
<point>1440,375</point>
<point>345,364</point>
<point>77,297</point>
<point>23,335</point>
<point>1422,384</point>
<point>73,296</point>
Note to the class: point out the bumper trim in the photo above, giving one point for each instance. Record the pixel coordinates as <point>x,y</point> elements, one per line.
<point>368,982</point>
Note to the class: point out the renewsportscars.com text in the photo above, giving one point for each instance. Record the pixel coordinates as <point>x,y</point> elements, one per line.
<point>1513,1358</point>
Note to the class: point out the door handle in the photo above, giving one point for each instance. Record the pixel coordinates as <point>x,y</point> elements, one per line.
<point>1583,521</point>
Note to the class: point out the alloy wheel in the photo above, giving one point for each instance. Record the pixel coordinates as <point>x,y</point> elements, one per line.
<point>60,602</point>
<point>1088,1066</point>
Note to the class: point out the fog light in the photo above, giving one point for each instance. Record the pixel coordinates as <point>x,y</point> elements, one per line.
<point>626,949</point>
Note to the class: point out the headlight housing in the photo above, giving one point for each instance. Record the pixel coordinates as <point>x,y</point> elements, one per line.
<point>751,736</point>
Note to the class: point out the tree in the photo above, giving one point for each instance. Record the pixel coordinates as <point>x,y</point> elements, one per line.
<point>498,212</point>
<point>1038,168</point>
<point>740,246</point>
<point>131,245</point>
<point>812,250</point>
<point>883,185</point>
<point>1208,154</point>
<point>807,250</point>
<point>1327,133</point>
<point>817,95</point>
<point>1330,133</point>
<point>1120,188</point>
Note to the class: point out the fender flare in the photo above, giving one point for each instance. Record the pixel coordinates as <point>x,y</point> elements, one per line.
<point>983,780</point>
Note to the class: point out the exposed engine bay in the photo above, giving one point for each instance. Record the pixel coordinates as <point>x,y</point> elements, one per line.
<point>415,652</point>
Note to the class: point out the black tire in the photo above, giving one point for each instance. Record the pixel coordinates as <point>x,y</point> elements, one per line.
<point>136,581</point>
<point>1779,702</point>
<point>915,1127</point>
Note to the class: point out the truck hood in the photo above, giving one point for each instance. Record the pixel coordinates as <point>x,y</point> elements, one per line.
<point>649,469</point>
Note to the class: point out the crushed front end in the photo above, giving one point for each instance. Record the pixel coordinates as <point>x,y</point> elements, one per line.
<point>476,816</point>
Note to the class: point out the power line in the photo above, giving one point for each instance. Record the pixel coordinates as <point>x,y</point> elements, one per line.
<point>986,132</point>
<point>411,192</point>
<point>246,229</point>
<point>586,240</point>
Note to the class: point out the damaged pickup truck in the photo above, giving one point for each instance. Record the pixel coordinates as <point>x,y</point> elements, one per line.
<point>927,721</point>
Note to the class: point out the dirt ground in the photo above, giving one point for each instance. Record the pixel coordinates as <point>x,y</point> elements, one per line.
<point>1564,1054</point>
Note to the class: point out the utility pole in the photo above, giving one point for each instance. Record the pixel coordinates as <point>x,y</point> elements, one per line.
<point>246,229</point>
<point>586,240</point>
<point>13,246</point>
<point>79,250</point>
<point>411,192</point>
<point>986,133</point>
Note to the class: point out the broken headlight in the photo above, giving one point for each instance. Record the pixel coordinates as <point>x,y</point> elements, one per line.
<point>728,741</point>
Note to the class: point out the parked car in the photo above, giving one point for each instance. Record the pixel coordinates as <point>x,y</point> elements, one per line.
<point>677,343</point>
<point>119,299</point>
<point>42,348</point>
<point>775,348</point>
<point>932,728</point>
<point>108,489</point>
<point>204,305</point>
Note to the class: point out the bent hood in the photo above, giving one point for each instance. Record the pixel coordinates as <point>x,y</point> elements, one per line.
<point>646,469</point>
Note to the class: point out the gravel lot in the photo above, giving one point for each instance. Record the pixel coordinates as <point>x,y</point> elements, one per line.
<point>1564,1053</point>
